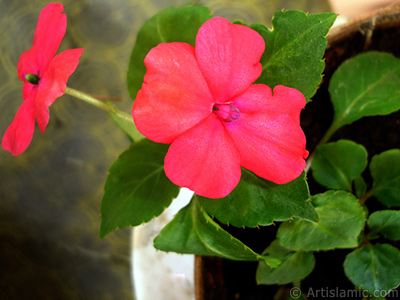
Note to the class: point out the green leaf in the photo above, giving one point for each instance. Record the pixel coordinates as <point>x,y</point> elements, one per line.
<point>294,50</point>
<point>337,164</point>
<point>386,223</point>
<point>365,85</point>
<point>385,171</point>
<point>294,267</point>
<point>374,268</point>
<point>174,24</point>
<point>341,220</point>
<point>127,126</point>
<point>256,201</point>
<point>136,189</point>
<point>360,186</point>
<point>193,231</point>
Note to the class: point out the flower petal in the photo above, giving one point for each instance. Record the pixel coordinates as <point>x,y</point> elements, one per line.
<point>27,64</point>
<point>174,96</point>
<point>271,145</point>
<point>50,31</point>
<point>204,159</point>
<point>53,83</point>
<point>282,100</point>
<point>229,57</point>
<point>19,134</point>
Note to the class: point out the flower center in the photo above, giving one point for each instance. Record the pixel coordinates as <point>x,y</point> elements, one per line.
<point>32,78</point>
<point>226,112</point>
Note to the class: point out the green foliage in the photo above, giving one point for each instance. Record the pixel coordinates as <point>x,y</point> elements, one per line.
<point>194,231</point>
<point>385,171</point>
<point>256,201</point>
<point>127,126</point>
<point>175,24</point>
<point>341,220</point>
<point>294,267</point>
<point>136,189</point>
<point>360,186</point>
<point>374,268</point>
<point>365,85</point>
<point>386,223</point>
<point>337,164</point>
<point>294,50</point>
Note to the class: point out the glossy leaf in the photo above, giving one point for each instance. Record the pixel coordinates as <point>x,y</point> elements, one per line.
<point>193,231</point>
<point>385,171</point>
<point>341,220</point>
<point>256,201</point>
<point>294,265</point>
<point>136,189</point>
<point>337,164</point>
<point>294,50</point>
<point>386,223</point>
<point>366,85</point>
<point>174,24</point>
<point>374,268</point>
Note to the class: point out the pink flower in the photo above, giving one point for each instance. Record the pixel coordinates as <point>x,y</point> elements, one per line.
<point>203,102</point>
<point>45,78</point>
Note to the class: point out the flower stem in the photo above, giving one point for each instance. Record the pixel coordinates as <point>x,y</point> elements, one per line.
<point>100,104</point>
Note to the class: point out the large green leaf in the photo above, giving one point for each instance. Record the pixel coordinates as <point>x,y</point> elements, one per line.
<point>341,220</point>
<point>136,189</point>
<point>337,164</point>
<point>374,268</point>
<point>174,24</point>
<point>294,50</point>
<point>294,267</point>
<point>256,201</point>
<point>386,223</point>
<point>194,231</point>
<point>366,85</point>
<point>385,171</point>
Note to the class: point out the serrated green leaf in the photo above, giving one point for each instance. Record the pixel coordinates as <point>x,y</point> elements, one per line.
<point>337,164</point>
<point>386,223</point>
<point>374,268</point>
<point>341,220</point>
<point>294,267</point>
<point>256,201</point>
<point>137,188</point>
<point>365,85</point>
<point>385,171</point>
<point>174,24</point>
<point>193,231</point>
<point>294,50</point>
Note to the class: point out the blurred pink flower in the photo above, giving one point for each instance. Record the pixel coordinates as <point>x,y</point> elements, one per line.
<point>45,78</point>
<point>203,102</point>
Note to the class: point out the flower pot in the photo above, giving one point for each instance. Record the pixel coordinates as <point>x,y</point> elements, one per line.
<point>220,279</point>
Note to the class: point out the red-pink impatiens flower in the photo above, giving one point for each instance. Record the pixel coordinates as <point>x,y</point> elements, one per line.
<point>203,102</point>
<point>45,78</point>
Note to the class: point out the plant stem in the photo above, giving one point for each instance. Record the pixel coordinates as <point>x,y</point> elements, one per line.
<point>366,196</point>
<point>100,104</point>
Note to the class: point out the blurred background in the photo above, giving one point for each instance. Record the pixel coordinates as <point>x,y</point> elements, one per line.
<point>50,195</point>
